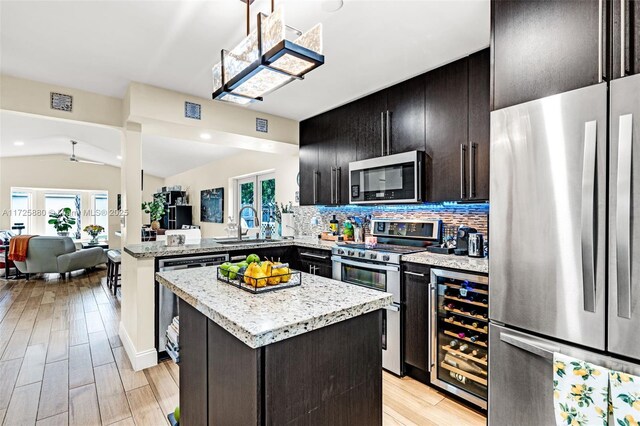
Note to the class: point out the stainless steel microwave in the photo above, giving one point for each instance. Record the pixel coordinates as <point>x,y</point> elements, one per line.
<point>390,179</point>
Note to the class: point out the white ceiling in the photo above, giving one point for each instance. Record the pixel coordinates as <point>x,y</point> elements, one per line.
<point>101,46</point>
<point>161,156</point>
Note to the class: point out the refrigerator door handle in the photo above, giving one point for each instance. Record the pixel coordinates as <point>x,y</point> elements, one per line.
<point>623,215</point>
<point>528,345</point>
<point>587,236</point>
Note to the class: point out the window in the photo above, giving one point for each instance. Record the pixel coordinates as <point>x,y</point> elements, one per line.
<point>259,192</point>
<point>55,202</point>
<point>267,184</point>
<point>20,209</point>
<point>100,211</point>
<point>246,196</point>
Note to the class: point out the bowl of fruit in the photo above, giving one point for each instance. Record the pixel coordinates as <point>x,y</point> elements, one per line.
<point>256,276</point>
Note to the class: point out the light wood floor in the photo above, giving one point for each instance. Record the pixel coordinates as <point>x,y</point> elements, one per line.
<point>62,362</point>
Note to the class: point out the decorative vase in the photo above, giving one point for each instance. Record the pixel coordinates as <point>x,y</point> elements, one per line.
<point>94,239</point>
<point>63,233</point>
<point>155,225</point>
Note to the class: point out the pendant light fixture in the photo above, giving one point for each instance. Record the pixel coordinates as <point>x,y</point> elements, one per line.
<point>265,59</point>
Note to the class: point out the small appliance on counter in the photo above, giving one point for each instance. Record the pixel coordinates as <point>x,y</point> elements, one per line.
<point>476,245</point>
<point>462,240</point>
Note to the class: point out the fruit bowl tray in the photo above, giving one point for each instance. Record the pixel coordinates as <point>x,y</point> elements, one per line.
<point>264,284</point>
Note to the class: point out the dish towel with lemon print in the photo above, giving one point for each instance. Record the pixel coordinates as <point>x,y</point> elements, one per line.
<point>580,392</point>
<point>625,397</point>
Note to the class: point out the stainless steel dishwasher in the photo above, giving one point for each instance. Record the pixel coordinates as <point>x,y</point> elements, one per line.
<point>167,301</point>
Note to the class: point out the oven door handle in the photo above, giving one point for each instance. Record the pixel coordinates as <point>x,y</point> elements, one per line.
<point>338,259</point>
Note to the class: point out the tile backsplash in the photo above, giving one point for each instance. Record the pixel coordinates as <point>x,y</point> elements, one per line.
<point>451,214</point>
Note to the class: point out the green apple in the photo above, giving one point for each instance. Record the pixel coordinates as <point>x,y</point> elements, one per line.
<point>233,272</point>
<point>224,269</point>
<point>176,414</point>
<point>242,264</point>
<point>253,258</point>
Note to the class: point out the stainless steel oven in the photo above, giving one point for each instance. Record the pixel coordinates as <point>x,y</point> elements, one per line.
<point>380,276</point>
<point>397,178</point>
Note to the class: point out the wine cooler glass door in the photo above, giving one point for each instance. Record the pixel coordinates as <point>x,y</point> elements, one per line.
<point>461,335</point>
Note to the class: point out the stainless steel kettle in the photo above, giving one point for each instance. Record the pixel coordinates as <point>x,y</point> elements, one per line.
<point>476,245</point>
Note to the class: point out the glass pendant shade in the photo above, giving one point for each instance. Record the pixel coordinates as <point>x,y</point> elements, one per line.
<point>264,61</point>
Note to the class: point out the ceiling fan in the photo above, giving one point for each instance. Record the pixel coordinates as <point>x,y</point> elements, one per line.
<point>75,159</point>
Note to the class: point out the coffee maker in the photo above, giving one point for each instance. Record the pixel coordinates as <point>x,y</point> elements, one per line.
<point>462,240</point>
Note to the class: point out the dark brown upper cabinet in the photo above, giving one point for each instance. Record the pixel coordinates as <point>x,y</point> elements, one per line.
<point>444,112</point>
<point>479,125</point>
<point>457,129</point>
<point>447,130</point>
<point>392,120</point>
<point>545,47</point>
<point>327,146</point>
<point>308,153</point>
<point>405,119</point>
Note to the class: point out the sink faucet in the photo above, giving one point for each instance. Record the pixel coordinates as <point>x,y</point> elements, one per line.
<point>255,214</point>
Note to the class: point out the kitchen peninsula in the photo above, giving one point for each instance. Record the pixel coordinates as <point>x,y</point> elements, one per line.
<point>309,354</point>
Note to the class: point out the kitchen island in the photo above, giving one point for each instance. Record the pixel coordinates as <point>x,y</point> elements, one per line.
<point>304,355</point>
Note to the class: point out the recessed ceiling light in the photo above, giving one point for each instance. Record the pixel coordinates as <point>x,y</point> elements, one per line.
<point>332,5</point>
<point>205,136</point>
<point>119,157</point>
<point>18,143</point>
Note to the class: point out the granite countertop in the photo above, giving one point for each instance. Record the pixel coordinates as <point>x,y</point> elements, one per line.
<point>261,319</point>
<point>211,245</point>
<point>465,263</point>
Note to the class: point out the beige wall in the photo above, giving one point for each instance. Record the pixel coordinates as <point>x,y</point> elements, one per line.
<point>220,174</point>
<point>56,171</point>
<point>33,97</point>
<point>154,103</point>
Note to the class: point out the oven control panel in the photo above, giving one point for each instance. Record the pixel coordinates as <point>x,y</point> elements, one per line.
<point>424,230</point>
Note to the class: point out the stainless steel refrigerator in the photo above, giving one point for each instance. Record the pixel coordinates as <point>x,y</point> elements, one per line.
<point>564,274</point>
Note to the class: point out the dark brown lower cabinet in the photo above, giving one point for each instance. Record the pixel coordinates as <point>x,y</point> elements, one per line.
<point>416,280</point>
<point>329,376</point>
<point>193,361</point>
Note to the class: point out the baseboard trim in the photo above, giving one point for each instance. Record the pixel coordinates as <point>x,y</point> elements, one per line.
<point>139,360</point>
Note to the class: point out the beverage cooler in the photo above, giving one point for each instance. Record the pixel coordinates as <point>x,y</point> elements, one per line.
<point>459,329</point>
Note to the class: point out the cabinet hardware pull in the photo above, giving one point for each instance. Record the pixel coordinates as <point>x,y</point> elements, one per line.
<point>315,256</point>
<point>238,258</point>
<point>600,41</point>
<point>588,215</point>
<point>472,169</point>
<point>315,187</point>
<point>388,132</point>
<point>333,169</point>
<point>623,37</point>
<point>463,177</point>
<point>382,133</point>
<point>414,274</point>
<point>338,184</point>
<point>623,214</point>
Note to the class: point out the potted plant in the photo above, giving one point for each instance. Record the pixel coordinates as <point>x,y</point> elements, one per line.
<point>62,221</point>
<point>156,210</point>
<point>94,231</point>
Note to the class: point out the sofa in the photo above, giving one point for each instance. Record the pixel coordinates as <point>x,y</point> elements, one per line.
<point>58,255</point>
